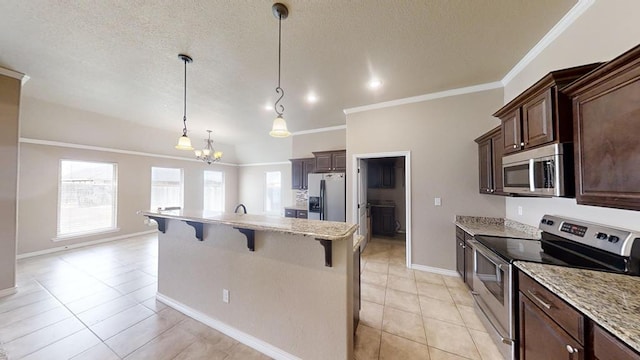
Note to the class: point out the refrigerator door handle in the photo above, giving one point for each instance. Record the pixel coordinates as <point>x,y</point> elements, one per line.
<point>322,196</point>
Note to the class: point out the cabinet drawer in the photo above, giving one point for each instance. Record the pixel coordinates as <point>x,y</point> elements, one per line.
<point>558,310</point>
<point>460,233</point>
<point>301,214</point>
<point>606,346</point>
<point>289,213</point>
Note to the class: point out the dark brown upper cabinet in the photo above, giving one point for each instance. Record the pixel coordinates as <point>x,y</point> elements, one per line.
<point>606,119</point>
<point>300,170</point>
<point>490,151</point>
<point>330,161</point>
<point>381,174</point>
<point>542,113</point>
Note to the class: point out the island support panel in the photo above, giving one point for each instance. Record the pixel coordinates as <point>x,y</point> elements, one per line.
<point>282,293</point>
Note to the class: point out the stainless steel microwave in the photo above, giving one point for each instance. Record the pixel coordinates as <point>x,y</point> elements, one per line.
<point>543,171</point>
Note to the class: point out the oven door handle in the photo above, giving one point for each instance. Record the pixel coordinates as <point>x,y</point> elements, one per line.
<point>491,319</point>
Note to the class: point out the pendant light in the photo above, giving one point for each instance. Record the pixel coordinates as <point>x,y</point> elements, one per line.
<point>208,154</point>
<point>279,128</point>
<point>184,143</point>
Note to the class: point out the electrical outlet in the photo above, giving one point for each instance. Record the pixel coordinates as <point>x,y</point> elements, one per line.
<point>437,201</point>
<point>520,210</point>
<point>225,296</point>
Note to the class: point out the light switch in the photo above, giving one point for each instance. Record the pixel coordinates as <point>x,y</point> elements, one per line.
<point>519,210</point>
<point>437,201</point>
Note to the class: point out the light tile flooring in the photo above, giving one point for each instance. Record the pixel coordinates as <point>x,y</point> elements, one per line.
<point>409,314</point>
<point>98,303</point>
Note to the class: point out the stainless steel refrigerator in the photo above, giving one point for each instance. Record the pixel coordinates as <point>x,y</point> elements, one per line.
<point>327,197</point>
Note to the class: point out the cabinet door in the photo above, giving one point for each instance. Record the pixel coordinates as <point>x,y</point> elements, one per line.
<point>606,346</point>
<point>486,167</point>
<point>323,162</point>
<point>606,128</point>
<point>388,175</point>
<point>388,221</point>
<point>297,178</point>
<point>374,174</point>
<point>468,265</point>
<point>308,167</point>
<point>537,119</point>
<point>496,165</point>
<point>460,257</point>
<point>290,213</point>
<point>339,160</point>
<point>511,132</point>
<point>542,338</point>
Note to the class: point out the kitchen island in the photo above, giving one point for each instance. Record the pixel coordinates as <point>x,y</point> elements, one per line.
<point>283,286</point>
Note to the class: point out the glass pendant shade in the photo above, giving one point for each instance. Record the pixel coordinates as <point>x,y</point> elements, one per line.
<point>218,155</point>
<point>206,152</point>
<point>198,153</point>
<point>184,143</point>
<point>279,128</point>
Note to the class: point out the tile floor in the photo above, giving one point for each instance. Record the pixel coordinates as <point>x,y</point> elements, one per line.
<point>98,303</point>
<point>409,314</point>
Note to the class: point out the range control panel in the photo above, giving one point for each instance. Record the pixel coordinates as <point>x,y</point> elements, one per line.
<point>614,240</point>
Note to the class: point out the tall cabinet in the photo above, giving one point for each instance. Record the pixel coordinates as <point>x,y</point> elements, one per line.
<point>490,150</point>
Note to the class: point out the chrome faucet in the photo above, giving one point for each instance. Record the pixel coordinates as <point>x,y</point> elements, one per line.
<point>240,206</point>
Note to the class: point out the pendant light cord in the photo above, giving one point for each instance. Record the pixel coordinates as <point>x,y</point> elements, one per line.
<point>184,117</point>
<point>279,90</point>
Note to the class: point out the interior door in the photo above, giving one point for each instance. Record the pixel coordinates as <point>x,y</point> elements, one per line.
<point>362,198</point>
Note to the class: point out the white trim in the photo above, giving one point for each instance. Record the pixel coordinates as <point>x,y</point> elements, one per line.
<point>319,130</point>
<point>13,74</point>
<point>435,270</point>
<point>426,97</point>
<point>230,331</point>
<point>99,148</point>
<point>85,234</point>
<point>8,291</point>
<point>82,244</point>
<point>576,11</point>
<point>265,164</point>
<point>407,189</point>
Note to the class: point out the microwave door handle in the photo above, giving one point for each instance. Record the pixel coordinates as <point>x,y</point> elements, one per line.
<point>532,175</point>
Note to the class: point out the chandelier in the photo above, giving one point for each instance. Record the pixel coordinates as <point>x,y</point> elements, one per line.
<point>208,154</point>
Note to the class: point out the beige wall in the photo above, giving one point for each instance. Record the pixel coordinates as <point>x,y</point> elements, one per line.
<point>444,163</point>
<point>9,109</point>
<point>251,186</point>
<point>38,191</point>
<point>606,30</point>
<point>304,145</point>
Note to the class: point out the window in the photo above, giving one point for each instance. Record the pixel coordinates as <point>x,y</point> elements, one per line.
<point>166,187</point>
<point>213,190</point>
<point>87,196</point>
<point>273,198</point>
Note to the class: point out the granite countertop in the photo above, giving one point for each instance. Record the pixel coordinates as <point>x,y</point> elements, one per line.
<point>610,300</point>
<point>326,230</point>
<point>477,225</point>
<point>357,240</point>
<point>296,207</point>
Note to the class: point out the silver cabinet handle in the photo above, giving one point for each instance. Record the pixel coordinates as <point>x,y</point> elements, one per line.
<point>515,146</point>
<point>538,299</point>
<point>522,144</point>
<point>492,190</point>
<point>571,349</point>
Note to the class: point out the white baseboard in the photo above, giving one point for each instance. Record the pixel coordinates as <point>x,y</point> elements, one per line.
<point>82,244</point>
<point>435,270</point>
<point>240,336</point>
<point>8,291</point>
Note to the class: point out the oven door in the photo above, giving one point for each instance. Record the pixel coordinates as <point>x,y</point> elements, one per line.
<point>492,296</point>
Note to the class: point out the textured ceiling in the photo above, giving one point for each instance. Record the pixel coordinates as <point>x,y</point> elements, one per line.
<point>119,58</point>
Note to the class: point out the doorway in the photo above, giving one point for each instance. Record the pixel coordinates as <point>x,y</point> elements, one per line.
<point>382,197</point>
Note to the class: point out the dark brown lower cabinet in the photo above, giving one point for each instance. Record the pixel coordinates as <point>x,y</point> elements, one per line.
<point>541,338</point>
<point>460,257</point>
<point>384,220</point>
<point>606,346</point>
<point>468,263</point>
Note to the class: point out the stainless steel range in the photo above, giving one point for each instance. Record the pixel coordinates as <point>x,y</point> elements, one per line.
<point>565,242</point>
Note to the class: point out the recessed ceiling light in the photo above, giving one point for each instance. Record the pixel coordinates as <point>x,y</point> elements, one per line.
<point>374,83</point>
<point>268,107</point>
<point>312,98</point>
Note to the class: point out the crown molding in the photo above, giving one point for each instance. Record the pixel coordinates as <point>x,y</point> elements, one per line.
<point>426,97</point>
<point>14,74</point>
<point>111,150</point>
<point>265,164</point>
<point>320,130</point>
<point>569,18</point>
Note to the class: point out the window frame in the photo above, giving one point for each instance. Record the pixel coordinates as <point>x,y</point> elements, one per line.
<point>114,207</point>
